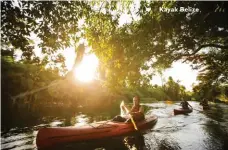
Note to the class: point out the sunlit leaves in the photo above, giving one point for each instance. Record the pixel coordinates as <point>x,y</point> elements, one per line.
<point>54,22</point>
<point>122,50</point>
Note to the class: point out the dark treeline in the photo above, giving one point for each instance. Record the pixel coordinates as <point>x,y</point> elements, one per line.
<point>154,41</point>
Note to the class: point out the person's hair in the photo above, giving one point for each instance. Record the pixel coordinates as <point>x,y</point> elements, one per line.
<point>137,97</point>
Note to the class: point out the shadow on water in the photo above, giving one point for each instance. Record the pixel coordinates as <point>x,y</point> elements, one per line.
<point>217,127</point>
<point>118,143</point>
<point>217,138</point>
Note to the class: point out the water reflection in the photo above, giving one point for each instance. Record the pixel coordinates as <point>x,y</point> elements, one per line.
<point>56,123</point>
<point>80,120</point>
<point>133,142</point>
<point>19,141</point>
<point>206,130</point>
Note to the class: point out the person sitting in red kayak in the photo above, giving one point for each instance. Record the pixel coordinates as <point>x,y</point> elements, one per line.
<point>136,111</point>
<point>185,104</point>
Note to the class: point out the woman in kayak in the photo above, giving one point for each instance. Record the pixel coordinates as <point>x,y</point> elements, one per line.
<point>136,111</point>
<point>185,105</point>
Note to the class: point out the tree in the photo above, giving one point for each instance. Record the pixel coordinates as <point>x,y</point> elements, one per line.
<point>200,38</point>
<point>124,51</point>
<point>162,38</point>
<point>174,90</point>
<point>54,23</point>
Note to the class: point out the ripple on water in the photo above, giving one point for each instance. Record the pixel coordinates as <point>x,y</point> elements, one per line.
<point>18,142</point>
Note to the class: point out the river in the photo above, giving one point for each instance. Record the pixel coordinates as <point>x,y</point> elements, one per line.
<point>199,130</point>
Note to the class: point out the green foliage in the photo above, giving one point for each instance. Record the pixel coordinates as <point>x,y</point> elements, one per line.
<point>171,90</point>
<point>162,38</point>
<point>212,92</point>
<point>21,79</point>
<point>175,91</point>
<point>213,76</point>
<point>55,23</point>
<point>24,76</point>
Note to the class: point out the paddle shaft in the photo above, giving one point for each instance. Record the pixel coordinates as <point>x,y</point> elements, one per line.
<point>132,120</point>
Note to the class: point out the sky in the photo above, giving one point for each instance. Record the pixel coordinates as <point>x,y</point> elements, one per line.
<point>179,71</point>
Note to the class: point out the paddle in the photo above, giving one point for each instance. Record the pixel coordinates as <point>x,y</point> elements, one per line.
<point>132,120</point>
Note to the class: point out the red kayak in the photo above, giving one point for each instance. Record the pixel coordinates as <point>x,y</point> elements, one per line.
<point>48,137</point>
<point>182,111</point>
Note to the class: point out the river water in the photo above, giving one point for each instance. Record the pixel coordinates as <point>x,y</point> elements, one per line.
<point>199,130</point>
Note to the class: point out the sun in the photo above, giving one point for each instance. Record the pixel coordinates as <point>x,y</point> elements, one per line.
<point>87,69</point>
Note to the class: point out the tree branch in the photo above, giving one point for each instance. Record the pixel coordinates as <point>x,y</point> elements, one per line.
<point>207,45</point>
<point>211,45</point>
<point>199,48</point>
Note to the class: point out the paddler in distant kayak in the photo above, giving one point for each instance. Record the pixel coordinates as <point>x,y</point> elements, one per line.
<point>185,104</point>
<point>204,102</point>
<point>136,111</point>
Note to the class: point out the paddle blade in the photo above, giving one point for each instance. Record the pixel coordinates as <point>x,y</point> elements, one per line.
<point>121,109</point>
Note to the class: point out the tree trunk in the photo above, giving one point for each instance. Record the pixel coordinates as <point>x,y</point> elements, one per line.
<point>80,51</point>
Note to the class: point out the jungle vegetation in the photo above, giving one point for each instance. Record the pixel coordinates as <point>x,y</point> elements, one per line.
<point>151,42</point>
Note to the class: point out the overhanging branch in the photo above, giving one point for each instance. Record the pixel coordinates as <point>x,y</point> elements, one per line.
<point>211,45</point>
<point>187,54</point>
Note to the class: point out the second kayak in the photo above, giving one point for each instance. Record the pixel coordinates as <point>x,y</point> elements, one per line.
<point>182,111</point>
<point>47,137</point>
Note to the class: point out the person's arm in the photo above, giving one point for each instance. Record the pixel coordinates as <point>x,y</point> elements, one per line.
<point>141,109</point>
<point>124,108</point>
